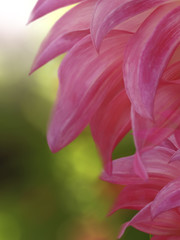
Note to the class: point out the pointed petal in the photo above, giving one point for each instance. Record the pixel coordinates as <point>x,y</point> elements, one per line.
<point>135,197</point>
<point>167,198</point>
<point>84,86</point>
<point>67,31</point>
<point>164,224</point>
<point>175,156</point>
<point>43,7</point>
<point>156,162</point>
<point>148,133</point>
<point>108,130</point>
<point>150,48</point>
<point>107,16</point>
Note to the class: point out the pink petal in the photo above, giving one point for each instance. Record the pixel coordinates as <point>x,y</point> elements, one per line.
<point>175,156</point>
<point>43,7</point>
<point>67,31</point>
<point>177,136</point>
<point>148,133</point>
<point>172,72</point>
<point>139,167</point>
<point>108,130</point>
<point>167,198</point>
<point>165,238</point>
<point>150,48</point>
<point>164,224</point>
<point>135,197</point>
<point>168,144</point>
<point>156,162</point>
<point>107,16</point>
<point>84,86</point>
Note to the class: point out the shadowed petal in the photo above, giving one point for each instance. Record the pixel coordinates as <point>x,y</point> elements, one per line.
<point>84,86</point>
<point>43,7</point>
<point>164,224</point>
<point>107,15</point>
<point>172,73</point>
<point>67,31</point>
<point>175,156</point>
<point>135,196</point>
<point>165,238</point>
<point>110,124</point>
<point>167,198</point>
<point>147,55</point>
<point>148,133</point>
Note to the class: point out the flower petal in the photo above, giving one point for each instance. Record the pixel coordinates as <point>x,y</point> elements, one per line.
<point>167,198</point>
<point>108,130</point>
<point>148,133</point>
<point>164,224</point>
<point>67,31</point>
<point>165,238</point>
<point>107,16</point>
<point>135,196</point>
<point>175,156</point>
<point>172,72</point>
<point>147,55</point>
<point>156,162</point>
<point>43,7</point>
<point>84,86</point>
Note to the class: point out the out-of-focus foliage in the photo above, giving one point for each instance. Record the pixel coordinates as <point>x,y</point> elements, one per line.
<point>45,196</point>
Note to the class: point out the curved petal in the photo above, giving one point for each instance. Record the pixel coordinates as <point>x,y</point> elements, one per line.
<point>165,238</point>
<point>148,133</point>
<point>108,130</point>
<point>156,162</point>
<point>135,197</point>
<point>165,224</point>
<point>167,198</point>
<point>107,16</point>
<point>84,86</point>
<point>43,7</point>
<point>147,55</point>
<point>172,72</point>
<point>67,31</point>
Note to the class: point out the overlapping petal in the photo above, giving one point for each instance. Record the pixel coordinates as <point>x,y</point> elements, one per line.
<point>84,86</point>
<point>147,55</point>
<point>65,33</point>
<point>167,198</point>
<point>43,7</point>
<point>135,196</point>
<point>111,123</point>
<point>165,238</point>
<point>164,224</point>
<point>148,133</point>
<point>156,162</point>
<point>108,15</point>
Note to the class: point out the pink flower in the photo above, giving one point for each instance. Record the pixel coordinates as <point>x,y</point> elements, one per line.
<point>158,197</point>
<point>121,72</point>
<point>91,84</point>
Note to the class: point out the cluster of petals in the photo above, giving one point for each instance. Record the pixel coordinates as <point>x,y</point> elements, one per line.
<point>156,198</point>
<point>121,73</point>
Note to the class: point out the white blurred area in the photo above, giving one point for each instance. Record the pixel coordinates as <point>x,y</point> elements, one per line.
<point>19,44</point>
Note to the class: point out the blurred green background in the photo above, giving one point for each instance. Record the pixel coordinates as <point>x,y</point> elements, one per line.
<point>45,196</point>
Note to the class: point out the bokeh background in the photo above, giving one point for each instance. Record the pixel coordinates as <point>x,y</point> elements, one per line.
<point>45,196</point>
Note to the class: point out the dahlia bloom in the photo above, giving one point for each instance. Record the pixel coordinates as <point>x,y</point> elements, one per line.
<point>157,198</point>
<point>128,36</point>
